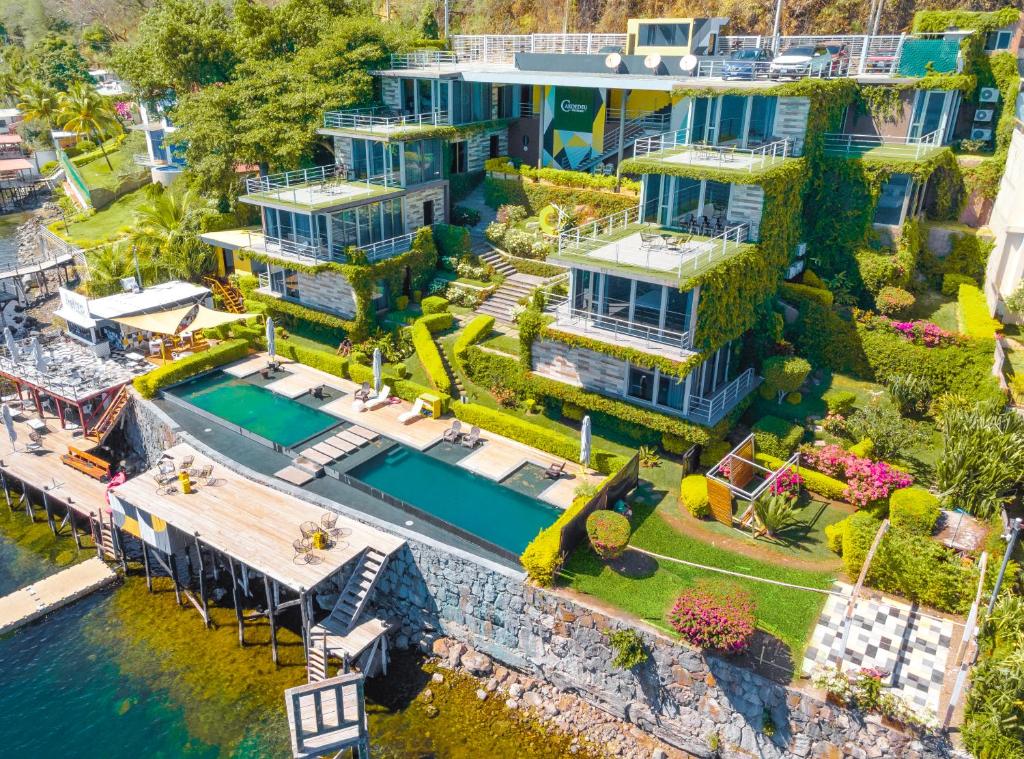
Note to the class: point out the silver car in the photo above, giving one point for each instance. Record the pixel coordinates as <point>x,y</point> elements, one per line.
<point>797,62</point>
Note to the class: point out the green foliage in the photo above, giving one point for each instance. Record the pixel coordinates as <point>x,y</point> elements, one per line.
<point>858,533</point>
<point>795,291</point>
<point>535,196</point>
<point>666,365</point>
<point>890,433</point>
<point>693,494</point>
<point>774,513</point>
<point>784,374</point>
<point>151,382</point>
<point>55,62</point>
<point>914,510</point>
<point>437,322</point>
<point>577,179</point>
<point>628,647</point>
<point>292,314</point>
<point>973,313</point>
<point>834,535</point>
<point>776,437</point>
<point>968,255</point>
<point>325,361</point>
<point>978,21</point>
<point>674,444</point>
<point>451,241</point>
<point>919,568</point>
<point>816,482</point>
<point>479,328</point>
<point>530,322</point>
<point>713,452</point>
<point>894,301</point>
<point>434,304</point>
<point>910,393</point>
<point>865,448</point>
<point>839,401</point>
<point>951,283</point>
<point>430,356</point>
<point>608,532</point>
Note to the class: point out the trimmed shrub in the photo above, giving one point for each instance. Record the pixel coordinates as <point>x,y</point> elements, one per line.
<point>894,301</point>
<point>776,436</point>
<point>714,616</point>
<point>477,329</point>
<point>608,532</point>
<point>430,356</point>
<point>150,383</point>
<point>693,493</point>
<point>573,412</point>
<point>402,302</point>
<point>451,241</point>
<point>674,443</point>
<point>858,534</point>
<point>811,279</point>
<point>864,449</point>
<point>322,360</point>
<point>834,536</point>
<point>795,398</point>
<point>816,482</point>
<point>438,322</point>
<point>433,304</point>
<point>714,452</point>
<point>973,313</point>
<point>914,510</point>
<point>794,291</point>
<point>784,374</point>
<point>917,567</point>
<point>839,401</point>
<point>951,283</point>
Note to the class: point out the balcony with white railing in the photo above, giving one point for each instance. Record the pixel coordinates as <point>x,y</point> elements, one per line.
<point>678,149</point>
<point>573,317</point>
<point>710,410</point>
<point>143,159</point>
<point>380,120</point>
<point>319,188</point>
<point>882,148</point>
<point>625,242</point>
<point>311,252</point>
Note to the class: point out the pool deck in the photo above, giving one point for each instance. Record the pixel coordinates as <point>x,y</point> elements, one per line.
<point>495,458</point>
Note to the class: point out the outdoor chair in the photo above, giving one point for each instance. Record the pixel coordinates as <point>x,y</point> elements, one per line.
<point>329,521</point>
<point>453,433</point>
<point>471,440</point>
<point>318,393</point>
<point>187,461</point>
<point>35,441</point>
<point>303,550</point>
<point>554,471</point>
<point>363,393</point>
<point>308,528</point>
<point>413,413</point>
<point>649,240</point>
<point>379,400</point>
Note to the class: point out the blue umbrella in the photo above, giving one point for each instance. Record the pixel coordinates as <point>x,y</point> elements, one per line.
<point>270,338</point>
<point>377,362</point>
<point>585,441</point>
<point>9,423</point>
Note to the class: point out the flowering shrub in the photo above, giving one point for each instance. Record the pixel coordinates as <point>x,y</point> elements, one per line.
<point>720,618</point>
<point>788,483</point>
<point>866,480</point>
<point>834,424</point>
<point>918,332</point>
<point>865,690</point>
<point>608,533</point>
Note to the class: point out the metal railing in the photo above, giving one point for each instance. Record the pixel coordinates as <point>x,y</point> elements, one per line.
<point>895,147</point>
<point>611,328</point>
<point>710,410</point>
<point>502,48</point>
<point>377,117</point>
<point>143,159</point>
<point>308,251</point>
<point>322,178</point>
<point>265,283</point>
<point>380,251</point>
<point>721,155</point>
<point>595,233</point>
<point>420,59</point>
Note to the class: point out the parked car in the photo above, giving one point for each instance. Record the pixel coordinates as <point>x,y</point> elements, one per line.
<point>801,61</point>
<point>746,64</point>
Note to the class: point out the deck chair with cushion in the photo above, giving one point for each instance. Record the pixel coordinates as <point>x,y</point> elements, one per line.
<point>383,397</point>
<point>471,440</point>
<point>413,413</point>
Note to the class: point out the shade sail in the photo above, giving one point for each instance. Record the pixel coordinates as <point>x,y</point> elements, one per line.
<point>169,322</point>
<point>15,164</point>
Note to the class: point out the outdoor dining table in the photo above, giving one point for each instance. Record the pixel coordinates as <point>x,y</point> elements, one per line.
<point>37,425</point>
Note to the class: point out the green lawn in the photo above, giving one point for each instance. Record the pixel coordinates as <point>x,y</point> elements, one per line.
<point>503,341</point>
<point>938,308</point>
<point>111,223</point>
<point>811,403</point>
<point>649,588</point>
<point>98,174</point>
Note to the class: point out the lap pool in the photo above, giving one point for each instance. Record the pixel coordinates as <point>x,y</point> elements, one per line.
<point>262,412</point>
<point>496,513</point>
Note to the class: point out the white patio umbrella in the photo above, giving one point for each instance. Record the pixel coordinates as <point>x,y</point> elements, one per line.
<point>270,338</point>
<point>12,347</point>
<point>9,423</point>
<point>37,355</point>
<point>585,441</point>
<point>377,364</point>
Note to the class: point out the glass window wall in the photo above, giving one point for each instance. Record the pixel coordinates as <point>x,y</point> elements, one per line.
<point>422,161</point>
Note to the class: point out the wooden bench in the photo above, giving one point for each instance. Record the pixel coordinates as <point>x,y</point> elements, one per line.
<point>86,463</point>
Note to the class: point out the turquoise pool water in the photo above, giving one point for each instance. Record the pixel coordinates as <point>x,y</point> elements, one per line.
<point>261,411</point>
<point>476,504</point>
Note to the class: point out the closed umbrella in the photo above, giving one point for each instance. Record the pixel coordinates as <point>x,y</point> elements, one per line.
<point>585,441</point>
<point>377,360</point>
<point>270,338</point>
<point>12,347</point>
<point>9,424</point>
<point>37,355</point>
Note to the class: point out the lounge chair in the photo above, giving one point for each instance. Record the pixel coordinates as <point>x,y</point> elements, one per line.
<point>318,392</point>
<point>649,241</point>
<point>453,433</point>
<point>472,438</point>
<point>363,393</point>
<point>412,413</point>
<point>554,471</point>
<point>380,399</point>
<point>35,441</point>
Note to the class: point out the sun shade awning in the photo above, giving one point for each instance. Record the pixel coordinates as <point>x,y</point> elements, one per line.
<point>15,164</point>
<point>177,320</point>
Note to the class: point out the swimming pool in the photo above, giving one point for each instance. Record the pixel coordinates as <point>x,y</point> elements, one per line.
<point>258,410</point>
<point>496,513</point>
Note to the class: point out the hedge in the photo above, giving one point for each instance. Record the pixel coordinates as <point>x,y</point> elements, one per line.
<point>561,177</point>
<point>535,436</point>
<point>664,364</point>
<point>776,437</point>
<point>951,282</point>
<point>471,334</point>
<point>438,322</point>
<point>543,556</point>
<point>535,268</point>
<point>914,510</point>
<point>151,382</point>
<point>839,401</point>
<point>322,360</point>
<point>430,356</point>
<point>693,494</point>
<point>434,304</point>
<point>802,292</point>
<point>816,482</point>
<point>405,389</point>
<point>287,313</point>
<point>973,313</point>
<point>451,240</point>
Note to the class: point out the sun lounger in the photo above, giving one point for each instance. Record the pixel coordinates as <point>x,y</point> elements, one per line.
<point>554,471</point>
<point>412,413</point>
<point>355,429</point>
<point>329,450</point>
<point>379,400</point>
<point>316,457</point>
<point>453,433</point>
<point>471,440</point>
<point>343,443</point>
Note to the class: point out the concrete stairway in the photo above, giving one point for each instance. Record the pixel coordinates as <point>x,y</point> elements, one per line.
<point>515,288</point>
<point>497,262</point>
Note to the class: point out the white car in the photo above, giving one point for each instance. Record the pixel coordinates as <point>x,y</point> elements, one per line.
<point>802,61</point>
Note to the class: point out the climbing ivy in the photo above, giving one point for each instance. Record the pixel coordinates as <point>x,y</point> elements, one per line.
<point>984,178</point>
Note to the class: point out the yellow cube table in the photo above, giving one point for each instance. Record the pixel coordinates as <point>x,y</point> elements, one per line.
<point>431,404</point>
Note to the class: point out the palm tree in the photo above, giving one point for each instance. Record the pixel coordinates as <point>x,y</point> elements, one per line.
<point>168,225</point>
<point>85,111</point>
<point>108,265</point>
<point>39,103</point>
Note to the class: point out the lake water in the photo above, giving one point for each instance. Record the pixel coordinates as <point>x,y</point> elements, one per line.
<point>8,244</point>
<point>125,674</point>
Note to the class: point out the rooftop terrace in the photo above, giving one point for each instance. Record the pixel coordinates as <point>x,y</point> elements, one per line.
<point>380,121</point>
<point>677,149</point>
<point>319,189</point>
<point>882,148</point>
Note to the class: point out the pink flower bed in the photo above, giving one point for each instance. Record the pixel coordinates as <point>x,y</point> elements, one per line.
<point>717,619</point>
<point>919,332</point>
<point>787,483</point>
<point>866,480</point>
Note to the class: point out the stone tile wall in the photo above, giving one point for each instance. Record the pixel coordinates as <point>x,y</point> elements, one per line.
<point>328,291</point>
<point>579,366</point>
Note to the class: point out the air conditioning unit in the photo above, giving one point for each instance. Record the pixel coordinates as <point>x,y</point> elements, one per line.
<point>984,114</point>
<point>988,95</point>
<point>977,133</point>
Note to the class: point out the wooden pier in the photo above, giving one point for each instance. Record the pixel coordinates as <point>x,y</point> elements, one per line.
<point>51,593</point>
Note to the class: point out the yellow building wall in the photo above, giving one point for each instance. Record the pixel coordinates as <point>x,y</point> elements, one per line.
<point>241,264</point>
<point>638,101</point>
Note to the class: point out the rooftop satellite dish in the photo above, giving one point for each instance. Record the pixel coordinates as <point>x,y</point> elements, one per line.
<point>652,61</point>
<point>688,63</point>
<point>613,60</point>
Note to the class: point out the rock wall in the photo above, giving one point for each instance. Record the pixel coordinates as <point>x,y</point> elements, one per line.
<point>680,695</point>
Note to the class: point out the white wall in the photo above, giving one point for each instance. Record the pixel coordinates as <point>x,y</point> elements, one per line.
<point>1006,264</point>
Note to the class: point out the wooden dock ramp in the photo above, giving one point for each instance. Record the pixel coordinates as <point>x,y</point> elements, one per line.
<point>328,717</point>
<point>51,593</point>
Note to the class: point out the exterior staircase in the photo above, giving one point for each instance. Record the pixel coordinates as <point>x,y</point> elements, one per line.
<point>106,546</point>
<point>316,657</point>
<point>230,295</point>
<point>514,289</point>
<point>497,262</point>
<point>102,428</point>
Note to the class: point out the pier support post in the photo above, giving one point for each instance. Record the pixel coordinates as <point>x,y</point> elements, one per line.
<point>49,514</point>
<point>3,484</point>
<point>238,604</point>
<point>305,625</point>
<point>119,543</point>
<point>145,566</point>
<point>202,581</point>
<point>174,577</point>
<point>96,529</point>
<point>74,529</point>
<point>271,611</point>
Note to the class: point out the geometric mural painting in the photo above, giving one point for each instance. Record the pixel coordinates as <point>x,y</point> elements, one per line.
<point>573,125</point>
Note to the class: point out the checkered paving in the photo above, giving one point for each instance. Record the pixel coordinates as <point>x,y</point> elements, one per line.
<point>889,636</point>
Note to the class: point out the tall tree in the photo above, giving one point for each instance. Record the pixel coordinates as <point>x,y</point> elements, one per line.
<point>56,62</point>
<point>167,226</point>
<point>39,103</point>
<point>85,111</point>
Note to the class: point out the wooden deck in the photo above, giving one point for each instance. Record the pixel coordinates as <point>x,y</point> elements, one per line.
<point>252,523</point>
<point>51,593</point>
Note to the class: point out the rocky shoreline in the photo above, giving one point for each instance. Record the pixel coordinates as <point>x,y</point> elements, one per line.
<point>591,729</point>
